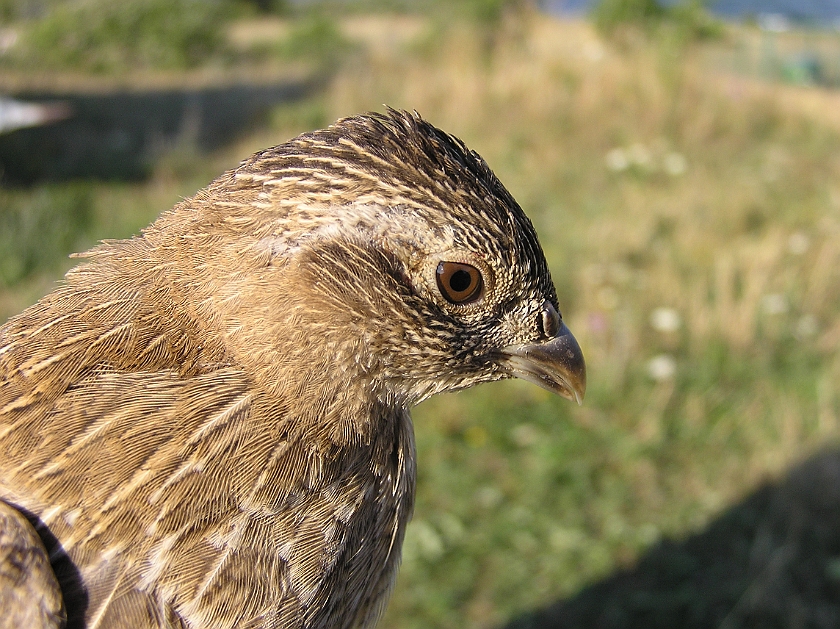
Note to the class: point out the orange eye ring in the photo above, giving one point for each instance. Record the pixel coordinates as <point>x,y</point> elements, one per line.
<point>459,283</point>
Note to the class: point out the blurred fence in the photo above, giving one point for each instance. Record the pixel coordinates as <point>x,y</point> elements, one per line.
<point>777,52</point>
<point>120,135</point>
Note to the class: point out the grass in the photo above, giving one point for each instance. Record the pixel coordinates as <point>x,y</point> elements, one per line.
<point>658,183</point>
<point>102,39</point>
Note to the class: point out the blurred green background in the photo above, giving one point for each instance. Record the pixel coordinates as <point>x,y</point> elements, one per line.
<point>684,177</point>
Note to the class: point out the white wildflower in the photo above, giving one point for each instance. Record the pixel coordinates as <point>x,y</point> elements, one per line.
<point>675,164</point>
<point>774,304</point>
<point>617,160</point>
<point>665,320</point>
<point>798,243</point>
<point>662,367</point>
<point>525,435</point>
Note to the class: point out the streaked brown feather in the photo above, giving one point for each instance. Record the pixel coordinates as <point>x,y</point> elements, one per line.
<point>211,419</point>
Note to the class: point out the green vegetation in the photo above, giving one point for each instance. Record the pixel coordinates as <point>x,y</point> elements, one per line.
<point>315,36</point>
<point>114,36</point>
<point>689,17</point>
<point>691,219</point>
<point>37,229</point>
<point>609,14</point>
<point>110,38</point>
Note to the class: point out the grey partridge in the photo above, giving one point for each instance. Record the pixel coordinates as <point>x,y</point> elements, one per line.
<point>207,425</point>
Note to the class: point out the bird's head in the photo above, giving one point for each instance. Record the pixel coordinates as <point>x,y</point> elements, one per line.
<point>380,249</point>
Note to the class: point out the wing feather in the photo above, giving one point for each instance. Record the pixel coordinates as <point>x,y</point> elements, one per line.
<point>29,592</point>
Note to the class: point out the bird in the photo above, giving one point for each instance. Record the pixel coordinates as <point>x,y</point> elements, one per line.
<point>207,425</point>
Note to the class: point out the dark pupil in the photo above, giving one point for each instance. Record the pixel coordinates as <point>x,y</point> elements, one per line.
<point>460,281</point>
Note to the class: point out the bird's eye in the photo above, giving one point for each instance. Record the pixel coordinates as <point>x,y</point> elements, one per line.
<point>459,283</point>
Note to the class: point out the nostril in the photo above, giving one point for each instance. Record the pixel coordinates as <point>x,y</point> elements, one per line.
<point>549,321</point>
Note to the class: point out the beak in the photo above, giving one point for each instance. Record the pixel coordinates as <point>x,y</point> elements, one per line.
<point>556,365</point>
